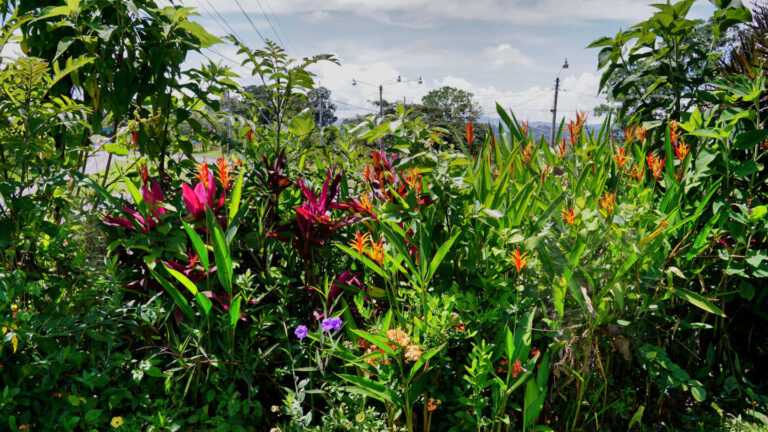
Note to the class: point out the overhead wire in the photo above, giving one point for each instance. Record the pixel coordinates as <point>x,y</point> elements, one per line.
<point>280,26</point>
<point>248,17</point>
<point>274,30</point>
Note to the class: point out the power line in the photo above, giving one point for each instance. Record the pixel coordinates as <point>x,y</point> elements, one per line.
<point>234,33</point>
<point>280,26</point>
<point>263,12</point>
<point>250,21</point>
<point>202,6</point>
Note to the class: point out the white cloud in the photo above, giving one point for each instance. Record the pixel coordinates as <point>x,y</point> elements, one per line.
<point>317,16</point>
<point>506,56</point>
<point>424,12</point>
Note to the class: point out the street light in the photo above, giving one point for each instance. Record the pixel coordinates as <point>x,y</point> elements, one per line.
<point>554,108</point>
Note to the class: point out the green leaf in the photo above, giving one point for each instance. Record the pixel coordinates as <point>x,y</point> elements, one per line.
<point>747,168</point>
<point>371,388</point>
<point>697,300</point>
<point>439,256</point>
<point>377,340</point>
<point>637,417</point>
<point>180,301</point>
<point>757,213</point>
<point>234,311</point>
<point>200,248</point>
<point>302,123</point>
<point>224,266</point>
<point>92,415</point>
<point>697,390</point>
<point>747,140</point>
<point>237,193</point>
<point>116,149</point>
<point>206,39</point>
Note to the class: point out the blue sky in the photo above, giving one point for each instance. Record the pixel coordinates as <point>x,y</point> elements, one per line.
<point>508,51</point>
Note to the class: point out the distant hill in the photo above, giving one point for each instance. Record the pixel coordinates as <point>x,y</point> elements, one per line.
<point>539,129</point>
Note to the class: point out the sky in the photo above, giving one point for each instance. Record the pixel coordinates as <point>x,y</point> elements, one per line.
<point>505,51</point>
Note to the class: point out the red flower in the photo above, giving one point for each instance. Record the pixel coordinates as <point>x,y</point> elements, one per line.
<point>469,134</point>
<point>516,368</point>
<point>561,149</point>
<point>568,216</point>
<point>203,195</point>
<point>656,164</point>
<point>606,203</point>
<point>621,157</point>
<point>224,173</point>
<point>525,129</point>
<point>681,150</point>
<point>519,260</point>
<point>153,197</point>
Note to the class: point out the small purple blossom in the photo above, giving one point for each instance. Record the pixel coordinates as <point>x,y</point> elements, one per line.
<point>329,324</point>
<point>301,332</point>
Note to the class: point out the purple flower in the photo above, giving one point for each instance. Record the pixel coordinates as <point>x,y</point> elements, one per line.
<point>329,324</point>
<point>301,332</point>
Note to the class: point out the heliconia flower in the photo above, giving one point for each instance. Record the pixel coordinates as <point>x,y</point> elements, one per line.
<point>203,195</point>
<point>528,153</point>
<point>144,173</point>
<point>545,172</point>
<point>581,118</point>
<point>640,133</point>
<point>621,157</point>
<point>681,150</point>
<point>524,129</point>
<point>606,202</point>
<point>301,332</point>
<point>469,134</point>
<point>519,260</point>
<point>249,135</point>
<point>629,133</point>
<point>574,129</point>
<point>637,172</point>
<point>674,132</point>
<point>135,140</point>
<point>224,173</point>
<point>655,164</point>
<point>511,169</point>
<point>561,149</point>
<point>360,241</point>
<point>376,252</point>
<point>413,180</point>
<point>517,368</point>
<point>568,216</point>
<point>535,351</point>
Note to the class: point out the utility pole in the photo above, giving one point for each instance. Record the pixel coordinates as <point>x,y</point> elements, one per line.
<point>229,123</point>
<point>554,107</point>
<point>381,100</point>
<point>554,113</point>
<point>322,141</point>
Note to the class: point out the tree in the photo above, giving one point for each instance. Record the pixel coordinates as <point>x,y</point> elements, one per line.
<point>658,65</point>
<point>449,108</point>
<point>322,107</point>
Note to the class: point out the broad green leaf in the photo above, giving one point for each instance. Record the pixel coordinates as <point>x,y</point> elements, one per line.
<point>180,301</point>
<point>234,311</point>
<point>224,266</point>
<point>697,300</point>
<point>439,256</point>
<point>200,248</point>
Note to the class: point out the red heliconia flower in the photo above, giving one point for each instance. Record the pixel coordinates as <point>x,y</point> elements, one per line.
<point>568,216</point>
<point>135,140</point>
<point>413,180</point>
<point>203,195</point>
<point>606,203</point>
<point>469,134</point>
<point>524,129</point>
<point>581,118</point>
<point>545,172</point>
<point>224,173</point>
<point>376,252</point>
<point>535,351</point>
<point>249,135</point>
<point>511,169</point>
<point>493,143</point>
<point>621,157</point>
<point>153,198</point>
<point>517,367</point>
<point>574,129</point>
<point>655,164</point>
<point>561,149</point>
<point>144,173</point>
<point>629,133</point>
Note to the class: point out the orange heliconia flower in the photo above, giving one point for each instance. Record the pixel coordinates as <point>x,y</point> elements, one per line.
<point>606,203</point>
<point>656,164</point>
<point>528,153</point>
<point>637,172</point>
<point>640,133</point>
<point>629,133</point>
<point>568,216</point>
<point>524,129</point>
<point>545,172</point>
<point>681,150</point>
<point>376,252</point>
<point>224,172</point>
<point>366,203</point>
<point>581,118</point>
<point>413,179</point>
<point>574,129</point>
<point>561,149</point>
<point>621,157</point>
<point>674,132</point>
<point>359,242</point>
<point>203,174</point>
<point>249,135</point>
<point>470,133</point>
<point>519,259</point>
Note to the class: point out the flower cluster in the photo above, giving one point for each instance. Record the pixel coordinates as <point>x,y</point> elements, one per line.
<point>606,203</point>
<point>568,216</point>
<point>330,324</point>
<point>656,164</point>
<point>519,260</point>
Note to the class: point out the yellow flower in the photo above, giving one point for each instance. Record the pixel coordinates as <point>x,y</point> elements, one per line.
<point>116,422</point>
<point>360,417</point>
